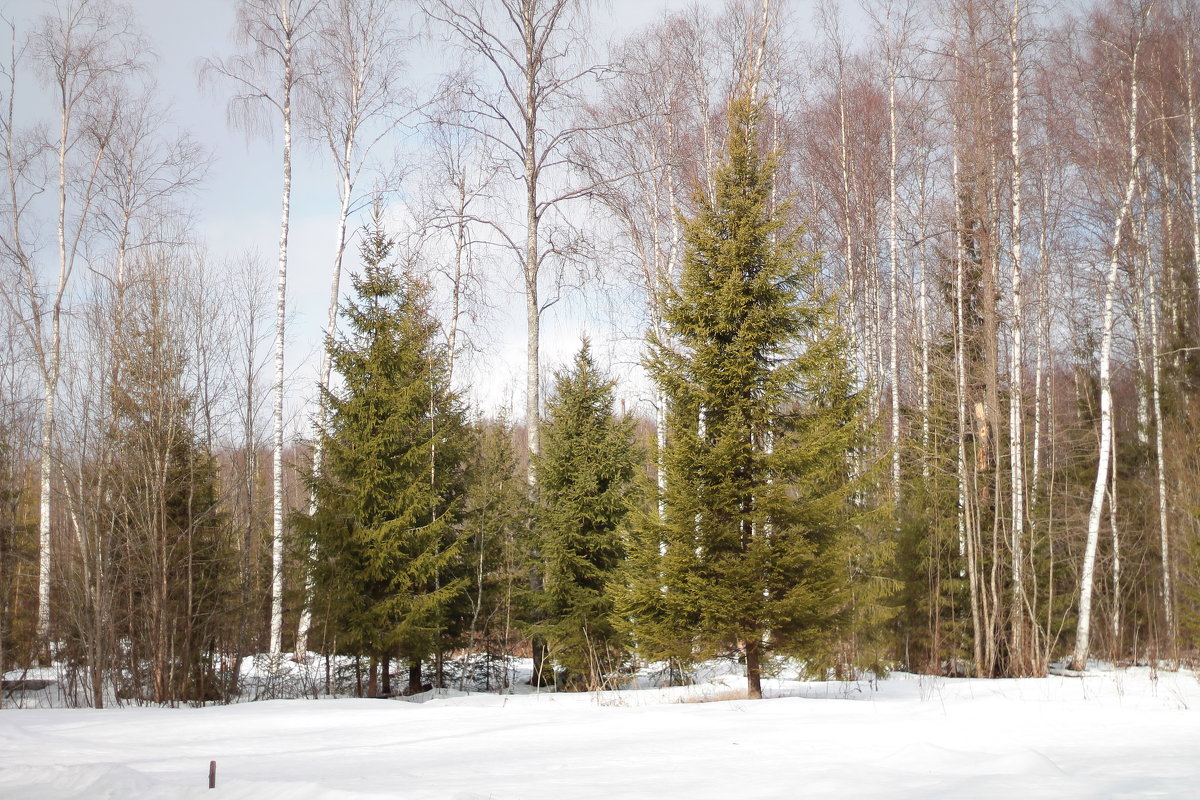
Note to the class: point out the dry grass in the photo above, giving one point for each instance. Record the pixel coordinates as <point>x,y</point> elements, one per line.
<point>718,696</point>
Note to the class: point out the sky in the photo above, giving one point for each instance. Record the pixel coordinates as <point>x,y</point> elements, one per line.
<point>237,205</point>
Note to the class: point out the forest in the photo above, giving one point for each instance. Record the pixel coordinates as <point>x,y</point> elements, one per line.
<point>913,292</point>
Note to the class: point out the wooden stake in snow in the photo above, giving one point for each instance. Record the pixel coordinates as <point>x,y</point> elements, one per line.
<point>212,774</point>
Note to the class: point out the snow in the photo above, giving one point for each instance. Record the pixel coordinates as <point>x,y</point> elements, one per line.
<point>1111,733</point>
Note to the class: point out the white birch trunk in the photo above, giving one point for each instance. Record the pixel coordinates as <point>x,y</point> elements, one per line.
<point>1161,479</point>
<point>894,268</point>
<point>276,645</point>
<point>847,231</point>
<point>1116,553</point>
<point>335,283</point>
<point>871,321</point>
<point>966,538</point>
<point>924,314</point>
<point>533,311</point>
<point>44,470</point>
<point>1141,349</point>
<point>51,374</point>
<point>533,321</point>
<point>1087,577</point>
<point>1016,399</point>
<point>674,228</point>
<point>1043,344</point>
<point>460,252</point>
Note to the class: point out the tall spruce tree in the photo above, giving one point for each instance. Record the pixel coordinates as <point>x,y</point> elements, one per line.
<point>584,474</point>
<point>388,567</point>
<point>762,423</point>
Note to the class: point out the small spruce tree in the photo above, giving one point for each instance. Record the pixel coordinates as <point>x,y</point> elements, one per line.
<point>584,474</point>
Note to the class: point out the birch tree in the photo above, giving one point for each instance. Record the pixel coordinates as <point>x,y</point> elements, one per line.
<point>80,49</point>
<point>456,187</point>
<point>144,173</point>
<point>524,47</point>
<point>268,75</point>
<point>1130,51</point>
<point>248,302</point>
<point>1016,362</point>
<point>894,23</point>
<point>1168,594</point>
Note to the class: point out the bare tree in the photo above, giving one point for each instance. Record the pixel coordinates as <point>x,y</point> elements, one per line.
<point>1130,50</point>
<point>269,74</point>
<point>249,304</point>
<point>895,21</point>
<point>457,184</point>
<point>79,50</point>
<point>1016,360</point>
<point>143,172</point>
<point>525,47</point>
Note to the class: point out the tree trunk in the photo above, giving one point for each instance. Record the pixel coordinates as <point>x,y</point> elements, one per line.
<point>1083,627</point>
<point>753,669</point>
<point>1116,555</point>
<point>1160,473</point>
<point>51,378</point>
<point>533,311</point>
<point>335,283</point>
<point>1019,656</point>
<point>923,298</point>
<point>1042,348</point>
<point>414,676</point>
<point>1193,161</point>
<point>280,323</point>
<point>44,552</point>
<point>540,666</point>
<point>894,270</point>
<point>847,231</point>
<point>966,528</point>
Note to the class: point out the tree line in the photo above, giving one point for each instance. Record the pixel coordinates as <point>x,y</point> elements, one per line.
<point>919,309</point>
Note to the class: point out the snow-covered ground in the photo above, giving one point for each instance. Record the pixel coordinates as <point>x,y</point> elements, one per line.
<point>1113,733</point>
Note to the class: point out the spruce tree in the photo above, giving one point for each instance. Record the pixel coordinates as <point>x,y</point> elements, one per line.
<point>584,474</point>
<point>762,423</point>
<point>388,568</point>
